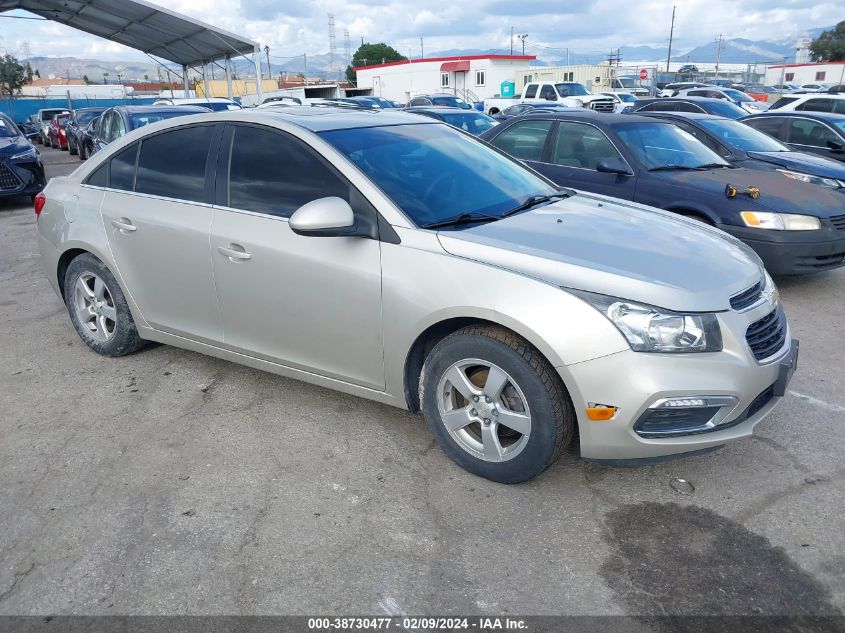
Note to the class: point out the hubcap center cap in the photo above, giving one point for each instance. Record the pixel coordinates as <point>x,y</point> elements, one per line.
<point>485,410</point>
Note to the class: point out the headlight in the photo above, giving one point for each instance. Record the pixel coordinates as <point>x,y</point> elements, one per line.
<point>651,329</point>
<point>833,183</point>
<point>30,154</point>
<point>780,221</point>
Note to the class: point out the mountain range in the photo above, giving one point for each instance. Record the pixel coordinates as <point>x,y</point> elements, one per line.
<point>733,51</point>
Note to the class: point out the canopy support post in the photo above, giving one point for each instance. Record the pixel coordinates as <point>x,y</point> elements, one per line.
<point>228,66</point>
<point>185,81</point>
<point>256,58</point>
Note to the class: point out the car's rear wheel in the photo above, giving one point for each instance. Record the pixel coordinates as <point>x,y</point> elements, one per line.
<point>495,404</point>
<point>98,308</point>
<point>71,147</point>
<point>82,152</point>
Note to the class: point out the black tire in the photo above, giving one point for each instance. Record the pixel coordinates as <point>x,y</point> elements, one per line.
<point>71,148</point>
<point>82,153</point>
<point>552,415</point>
<point>124,339</point>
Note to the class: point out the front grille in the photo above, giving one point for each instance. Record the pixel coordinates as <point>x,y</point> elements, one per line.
<point>8,179</point>
<point>838,222</point>
<point>747,298</point>
<point>602,105</point>
<point>768,335</point>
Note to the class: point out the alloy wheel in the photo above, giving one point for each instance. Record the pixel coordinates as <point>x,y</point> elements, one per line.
<point>484,410</point>
<point>94,307</point>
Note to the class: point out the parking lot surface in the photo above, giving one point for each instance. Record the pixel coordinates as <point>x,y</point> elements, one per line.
<point>167,482</point>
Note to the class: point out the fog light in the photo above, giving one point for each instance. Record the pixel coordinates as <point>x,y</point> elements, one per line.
<point>684,416</point>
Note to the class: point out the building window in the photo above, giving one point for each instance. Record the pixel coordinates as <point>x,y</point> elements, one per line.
<point>789,77</point>
<point>480,77</point>
<point>444,80</point>
<point>820,76</point>
<point>570,76</point>
<point>527,79</point>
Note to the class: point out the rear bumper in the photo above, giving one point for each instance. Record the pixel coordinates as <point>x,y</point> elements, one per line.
<point>794,252</point>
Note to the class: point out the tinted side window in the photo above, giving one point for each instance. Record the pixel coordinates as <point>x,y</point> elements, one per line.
<point>99,177</point>
<point>524,140</point>
<point>548,93</point>
<point>172,164</point>
<point>782,102</point>
<point>103,127</point>
<point>770,126</point>
<point>122,169</point>
<point>531,91</point>
<point>581,145</point>
<point>118,127</point>
<point>699,93</point>
<point>804,132</point>
<point>704,138</point>
<point>816,105</point>
<point>658,106</point>
<point>274,173</point>
<point>839,106</point>
<point>686,106</point>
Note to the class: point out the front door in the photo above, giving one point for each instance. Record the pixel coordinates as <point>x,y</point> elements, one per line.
<point>573,157</point>
<point>157,218</point>
<point>312,303</point>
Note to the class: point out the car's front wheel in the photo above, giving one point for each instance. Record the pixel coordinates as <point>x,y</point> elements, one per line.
<point>98,308</point>
<point>495,404</point>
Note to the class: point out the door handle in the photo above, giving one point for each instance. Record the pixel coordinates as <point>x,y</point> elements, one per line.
<point>124,225</point>
<point>235,252</point>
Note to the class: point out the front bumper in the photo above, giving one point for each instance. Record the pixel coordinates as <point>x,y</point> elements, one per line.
<point>21,178</point>
<point>794,252</point>
<point>634,381</point>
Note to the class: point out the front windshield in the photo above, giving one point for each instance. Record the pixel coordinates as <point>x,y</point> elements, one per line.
<point>627,82</point>
<point>736,95</point>
<point>627,98</point>
<point>7,128</point>
<point>454,102</point>
<point>571,90</point>
<point>140,120</point>
<point>475,124</point>
<point>742,137</point>
<point>661,145</point>
<point>434,173</point>
<point>47,115</point>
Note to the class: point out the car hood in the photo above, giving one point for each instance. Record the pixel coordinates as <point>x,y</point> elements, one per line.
<point>14,145</point>
<point>603,245</point>
<point>806,163</point>
<point>777,194</point>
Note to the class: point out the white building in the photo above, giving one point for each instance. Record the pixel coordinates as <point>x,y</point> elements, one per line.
<point>801,74</point>
<point>473,77</point>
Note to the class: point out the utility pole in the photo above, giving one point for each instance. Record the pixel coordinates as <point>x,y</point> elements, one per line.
<point>782,71</point>
<point>511,40</point>
<point>422,50</point>
<point>522,37</point>
<point>671,36</point>
<point>269,69</point>
<point>718,54</point>
<point>305,69</point>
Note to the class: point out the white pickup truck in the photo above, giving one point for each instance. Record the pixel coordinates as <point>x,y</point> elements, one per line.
<point>565,93</point>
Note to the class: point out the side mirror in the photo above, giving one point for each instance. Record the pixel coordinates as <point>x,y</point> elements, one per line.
<point>613,166</point>
<point>836,146</point>
<point>324,217</point>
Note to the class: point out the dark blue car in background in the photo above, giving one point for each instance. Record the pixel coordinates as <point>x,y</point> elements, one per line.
<point>21,169</point>
<point>795,227</point>
<point>701,105</point>
<point>118,121</point>
<point>743,146</point>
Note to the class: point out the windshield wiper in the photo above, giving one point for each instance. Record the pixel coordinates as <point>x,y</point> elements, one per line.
<point>461,218</point>
<point>670,167</point>
<point>533,201</point>
<point>711,165</point>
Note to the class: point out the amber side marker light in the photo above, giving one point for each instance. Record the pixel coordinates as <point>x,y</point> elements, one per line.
<point>601,413</point>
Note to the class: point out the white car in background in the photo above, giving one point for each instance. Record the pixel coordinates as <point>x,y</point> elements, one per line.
<point>812,102</point>
<point>622,101</point>
<point>747,103</point>
<point>815,87</point>
<point>216,104</point>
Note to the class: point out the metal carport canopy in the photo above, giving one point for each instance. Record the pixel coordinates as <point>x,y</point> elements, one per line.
<point>145,27</point>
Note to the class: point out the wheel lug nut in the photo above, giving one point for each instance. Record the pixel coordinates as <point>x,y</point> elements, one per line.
<point>486,420</point>
<point>486,399</point>
<point>475,398</point>
<point>474,412</point>
<point>495,412</point>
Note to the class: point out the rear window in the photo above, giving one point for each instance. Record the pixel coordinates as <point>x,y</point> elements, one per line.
<point>782,102</point>
<point>146,118</point>
<point>172,164</point>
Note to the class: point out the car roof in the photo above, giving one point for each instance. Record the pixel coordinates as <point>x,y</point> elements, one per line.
<point>695,116</point>
<point>146,109</point>
<point>807,114</point>
<point>324,119</point>
<point>587,115</point>
<point>442,109</point>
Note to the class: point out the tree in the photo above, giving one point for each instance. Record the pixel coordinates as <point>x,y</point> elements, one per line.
<point>830,45</point>
<point>368,54</point>
<point>13,75</point>
<point>86,80</point>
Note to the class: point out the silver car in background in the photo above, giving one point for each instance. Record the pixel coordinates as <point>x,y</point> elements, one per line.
<point>393,257</point>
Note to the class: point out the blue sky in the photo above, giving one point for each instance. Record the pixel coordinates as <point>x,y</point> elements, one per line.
<point>291,28</point>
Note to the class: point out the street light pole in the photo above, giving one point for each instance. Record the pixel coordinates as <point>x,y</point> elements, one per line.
<point>671,35</point>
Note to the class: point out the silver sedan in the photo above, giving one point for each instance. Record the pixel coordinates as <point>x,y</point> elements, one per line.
<point>396,258</point>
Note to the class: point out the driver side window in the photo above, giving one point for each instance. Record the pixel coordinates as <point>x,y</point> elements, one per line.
<point>524,140</point>
<point>581,145</point>
<point>548,93</point>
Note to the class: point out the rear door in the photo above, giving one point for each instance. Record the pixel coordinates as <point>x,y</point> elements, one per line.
<point>157,213</point>
<point>312,303</point>
<point>808,135</point>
